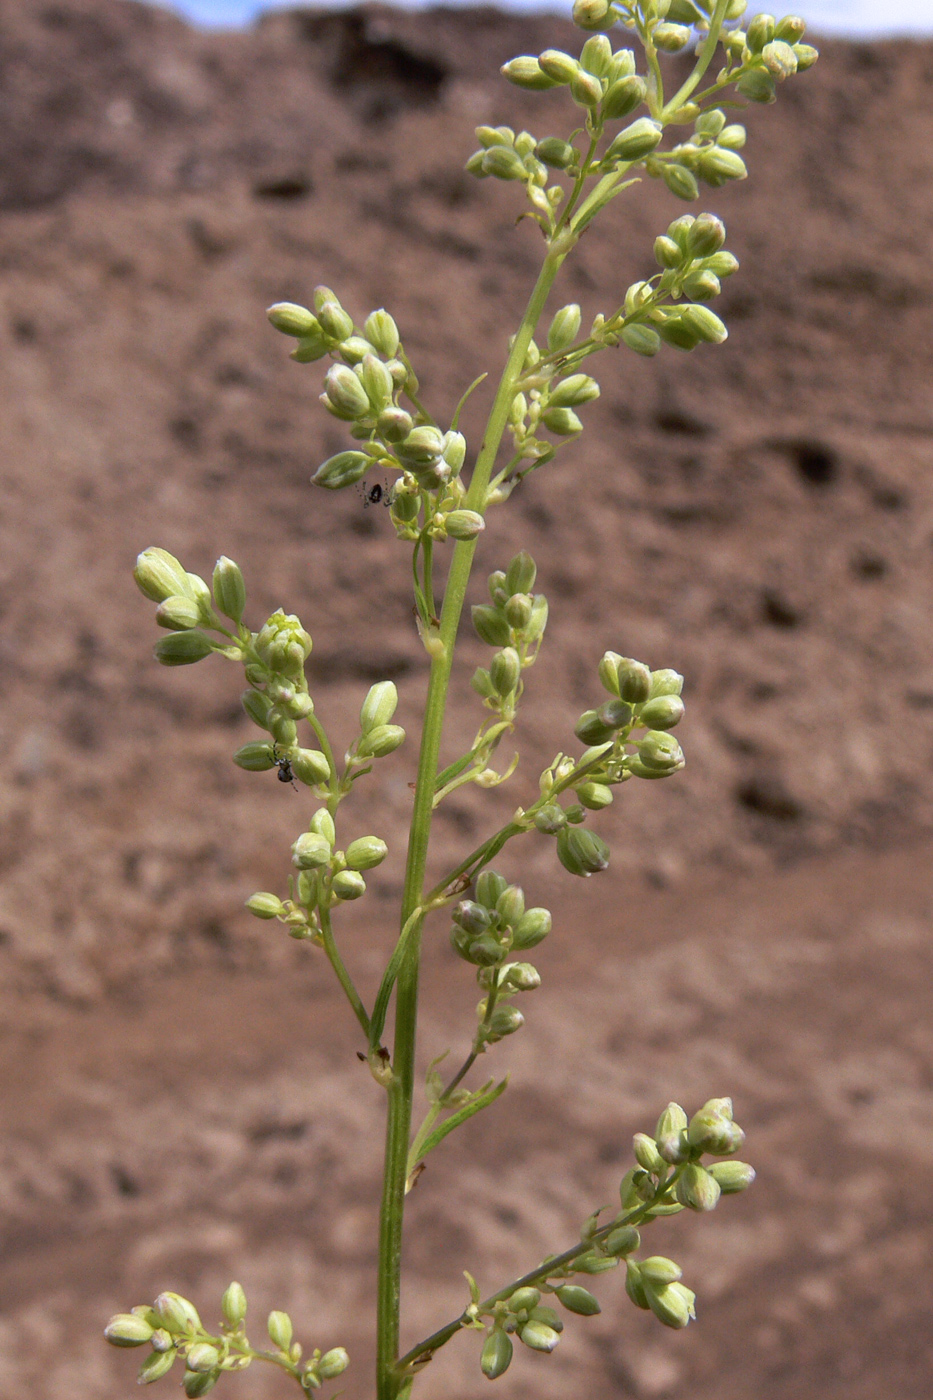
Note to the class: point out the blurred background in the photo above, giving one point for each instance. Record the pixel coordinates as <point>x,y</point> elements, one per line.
<point>181,1098</point>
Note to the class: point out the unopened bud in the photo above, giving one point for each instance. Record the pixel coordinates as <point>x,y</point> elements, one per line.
<point>505,670</point>
<point>581,852</point>
<point>526,72</point>
<point>672,1122</point>
<point>594,796</point>
<point>381,740</point>
<point>344,469</point>
<point>623,1241</point>
<point>310,766</point>
<point>732,1177</point>
<point>159,575</point>
<point>647,1155</point>
<point>311,851</point>
<point>491,625</point>
<point>635,141</point>
<point>591,729</point>
<point>348,884</point>
<point>663,712</point>
<point>366,853</point>
<point>578,1300</point>
<point>505,1020</point>
<point>562,421</point>
<point>182,648</point>
<point>594,14</point>
<point>521,977</point>
<point>697,1189</point>
<point>759,32</point>
<point>344,394</point>
<point>503,163</point>
<point>178,613</point>
<point>623,96</point>
<point>254,757</point>
<point>198,1383</point>
<point>533,926</point>
<point>497,1354</point>
<point>264,906</point>
<point>642,339</point>
<point>382,333</point>
<point>176,1314</point>
<point>539,1336</point>
<point>489,885</point>
<point>464,524</point>
<point>128,1330</point>
<point>379,706</point>
<point>672,1303</point>
<point>510,905</point>
<point>333,1363</point>
<point>550,819</point>
<point>233,1302</point>
<point>156,1365</point>
<point>634,1285</point>
<point>557,65</point>
<point>202,1357</point>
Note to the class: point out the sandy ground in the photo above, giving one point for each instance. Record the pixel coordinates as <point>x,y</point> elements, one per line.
<point>181,1098</point>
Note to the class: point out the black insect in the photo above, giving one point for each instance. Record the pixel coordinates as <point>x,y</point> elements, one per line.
<point>283,764</point>
<point>378,494</point>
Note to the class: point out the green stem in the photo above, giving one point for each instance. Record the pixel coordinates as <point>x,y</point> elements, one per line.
<point>704,59</point>
<point>401,1087</point>
<point>343,977</point>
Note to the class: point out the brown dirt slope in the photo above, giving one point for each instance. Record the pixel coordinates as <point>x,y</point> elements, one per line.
<point>181,1099</point>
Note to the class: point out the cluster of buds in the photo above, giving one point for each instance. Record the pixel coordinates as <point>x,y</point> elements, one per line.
<point>186,605</point>
<point>514,621</point>
<point>768,52</point>
<point>508,155</point>
<point>694,262</point>
<point>711,156</point>
<point>173,1329</point>
<point>540,403</point>
<point>496,923</point>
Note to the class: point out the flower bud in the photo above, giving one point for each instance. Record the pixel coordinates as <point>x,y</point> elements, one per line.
<point>161,1341</point>
<point>759,32</point>
<point>199,1382</point>
<point>718,165</point>
<point>663,712</point>
<point>292,320</point>
<point>159,575</point>
<point>594,14</point>
<point>586,90</point>
<point>333,1363</point>
<point>505,670</point>
<point>366,853</point>
<point>344,469</point>
<point>757,85</point>
<point>634,1285</point>
<point>381,740</point>
<point>471,916</point>
<point>806,56</point>
<point>615,714</point>
<point>254,757</point>
<point>564,328</point>
<point>524,1300</point>
<point>283,730</point>
<point>558,66</point>
<point>562,421</point>
<point>176,1314</point>
<point>422,446</point>
<point>491,625</point>
<point>128,1330</point>
<point>732,1177</point>
<point>696,1189</point>
<point>642,339</point>
<point>591,729</point>
<point>503,163</point>
<point>635,141</point>
<point>348,884</point>
<point>280,1330</point>
<point>623,96</point>
<point>578,1300</point>
<point>379,706</point>
<point>520,977</point>
<point>510,905</point>
<point>311,851</point>
<point>581,852</point>
<point>382,333</point>
<point>178,613</point>
<point>623,1241</point>
<point>156,1365</point>
<point>202,1357</point>
<point>671,38</point>
<point>573,391</point>
<point>344,394</point>
<point>333,320</point>
<point>634,681</point>
<point>680,181</point>
<point>264,906</point>
<point>377,382</point>
<point>533,926</point>
<point>703,285</point>
<point>497,1354</point>
<point>311,347</point>
<point>670,1134</point>
<point>464,524</point>
<point>505,1020</point>
<point>671,1303</point>
<point>182,648</point>
<point>310,766</point>
<point>647,1155</point>
<point>229,588</point>
<point>257,706</point>
<point>489,885</point>
<point>526,72</point>
<point>539,1336</point>
<point>595,796</point>
<point>667,253</point>
<point>779,59</point>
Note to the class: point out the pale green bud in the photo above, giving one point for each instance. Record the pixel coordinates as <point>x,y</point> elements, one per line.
<point>366,853</point>
<point>550,819</point>
<point>532,927</point>
<point>344,394</point>
<point>664,712</point>
<point>659,1270</point>
<point>573,391</point>
<point>539,1336</point>
<point>634,1286</point>
<point>176,1314</point>
<point>710,123</point>
<point>732,138</point>
<point>255,757</point>
<point>558,66</point>
<point>705,324</point>
<point>595,796</point>
<point>548,1315</point>
<point>333,319</point>
<point>702,286</point>
<point>594,14</point>
<point>322,824</point>
<point>518,611</point>
<point>354,350</point>
<point>229,588</point>
<point>394,424</point>
<point>489,885</point>
<point>155,1366</point>
<point>642,339</point>
<point>503,163</point>
<point>558,154</point>
<point>471,916</point>
<point>333,1363</point>
<point>199,1382</point>
<point>578,1300</point>
<point>382,333</point>
<point>667,253</point>
<point>667,1134</point>
<point>717,165</point>
<point>481,681</point>
<point>283,730</point>
<point>422,446</point>
<point>596,56</point>
<point>497,1354</point>
<point>521,574</point>
<point>128,1330</point>
<point>672,1303</point>
<point>757,85</point>
<point>635,141</point>
<point>697,1189</point>
<point>524,1300</point>
<point>264,906</point>
<point>311,347</point>
<point>280,1330</point>
<point>202,1357</point>
<point>505,670</point>
<point>581,852</point>
<point>562,421</point>
<point>526,72</point>
<point>634,681</point>
<point>671,38</point>
<point>344,469</point>
<point>505,1020</point>
<point>591,729</point>
<point>464,524</point>
<point>377,382</point>
<point>511,905</point>
<point>310,766</point>
<point>379,706</point>
<point>182,649</point>
<point>732,1177</point>
<point>759,32</point>
<point>806,55</point>
<point>585,90</point>
<point>791,29</point>
<point>178,614</point>
<point>311,851</point>
<point>594,1264</point>
<point>534,628</point>
<point>292,320</point>
<point>564,328</point>
<point>159,575</point>
<point>381,740</point>
<point>520,977</point>
<point>705,236</point>
<point>257,706</point>
<point>680,181</point>
<point>624,1240</point>
<point>608,671</point>
<point>646,1153</point>
<point>779,59</point>
<point>161,1341</point>
<point>491,625</point>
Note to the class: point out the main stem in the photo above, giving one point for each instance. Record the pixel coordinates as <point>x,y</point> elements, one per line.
<point>389,1382</point>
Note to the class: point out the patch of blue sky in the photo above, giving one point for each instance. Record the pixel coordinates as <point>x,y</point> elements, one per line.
<point>851,18</point>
